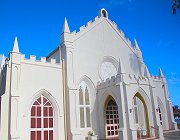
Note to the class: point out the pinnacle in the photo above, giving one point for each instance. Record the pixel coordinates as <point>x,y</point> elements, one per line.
<point>65,27</point>
<point>136,45</point>
<point>15,47</point>
<point>146,72</point>
<point>121,69</point>
<point>160,73</point>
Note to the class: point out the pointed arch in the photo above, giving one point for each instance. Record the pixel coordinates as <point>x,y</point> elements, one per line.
<point>111,116</point>
<point>87,80</point>
<point>91,86</point>
<point>103,98</point>
<point>47,95</point>
<point>56,114</point>
<point>146,102</point>
<point>42,119</point>
<point>138,95</point>
<point>145,97</point>
<point>86,99</point>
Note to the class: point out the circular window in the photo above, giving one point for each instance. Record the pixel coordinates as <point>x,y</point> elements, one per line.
<point>107,70</point>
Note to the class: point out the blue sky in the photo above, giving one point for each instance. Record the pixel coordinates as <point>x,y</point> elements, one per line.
<point>38,26</point>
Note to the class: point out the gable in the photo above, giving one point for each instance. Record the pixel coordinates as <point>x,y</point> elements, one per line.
<point>99,40</point>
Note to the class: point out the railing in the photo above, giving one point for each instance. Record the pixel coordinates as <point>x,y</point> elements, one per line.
<point>140,133</point>
<point>156,130</point>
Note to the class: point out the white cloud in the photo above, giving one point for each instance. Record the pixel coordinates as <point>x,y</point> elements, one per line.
<point>173,79</point>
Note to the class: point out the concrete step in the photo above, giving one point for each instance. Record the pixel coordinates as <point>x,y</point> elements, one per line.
<point>150,138</point>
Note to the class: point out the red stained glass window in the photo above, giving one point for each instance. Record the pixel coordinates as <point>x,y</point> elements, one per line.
<point>50,111</point>
<point>50,122</point>
<point>38,122</point>
<point>45,135</point>
<point>42,120</point>
<point>33,123</point>
<point>45,110</point>
<point>32,135</point>
<point>50,135</point>
<point>38,111</point>
<point>38,135</point>
<point>33,111</point>
<point>39,100</point>
<point>45,122</point>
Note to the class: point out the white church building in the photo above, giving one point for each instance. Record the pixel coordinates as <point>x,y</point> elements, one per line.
<point>94,81</point>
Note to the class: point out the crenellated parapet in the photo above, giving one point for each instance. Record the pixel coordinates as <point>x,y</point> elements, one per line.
<point>114,80</point>
<point>140,80</point>
<point>108,83</point>
<point>86,27</point>
<point>16,57</point>
<point>42,61</point>
<point>156,78</point>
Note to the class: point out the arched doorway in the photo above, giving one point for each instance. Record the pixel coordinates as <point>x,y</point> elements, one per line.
<point>42,120</point>
<point>111,118</point>
<point>140,114</point>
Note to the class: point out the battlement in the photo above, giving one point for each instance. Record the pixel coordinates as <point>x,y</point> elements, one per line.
<point>98,19</point>
<point>156,78</point>
<point>43,61</point>
<point>88,24</point>
<point>132,79</point>
<point>109,82</point>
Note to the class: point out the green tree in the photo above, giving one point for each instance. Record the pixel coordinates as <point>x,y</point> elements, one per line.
<point>175,6</point>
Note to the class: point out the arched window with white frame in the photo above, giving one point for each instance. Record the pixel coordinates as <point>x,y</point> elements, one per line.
<point>42,120</point>
<point>84,105</point>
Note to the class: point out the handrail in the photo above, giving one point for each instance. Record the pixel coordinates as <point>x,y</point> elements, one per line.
<point>152,127</point>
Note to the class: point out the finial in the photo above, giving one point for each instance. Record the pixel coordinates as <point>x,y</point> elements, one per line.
<point>160,73</point>
<point>121,69</point>
<point>103,13</point>
<point>15,47</point>
<point>136,45</point>
<point>146,72</point>
<point>65,27</point>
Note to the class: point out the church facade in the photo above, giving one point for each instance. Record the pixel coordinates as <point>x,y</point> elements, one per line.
<point>94,81</point>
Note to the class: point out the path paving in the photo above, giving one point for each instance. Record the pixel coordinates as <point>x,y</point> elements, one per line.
<point>172,135</point>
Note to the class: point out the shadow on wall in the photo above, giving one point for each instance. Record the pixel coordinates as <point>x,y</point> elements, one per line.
<point>95,118</point>
<point>133,62</point>
<point>3,81</point>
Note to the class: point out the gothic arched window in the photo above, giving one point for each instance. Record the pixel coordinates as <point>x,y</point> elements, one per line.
<point>42,120</point>
<point>84,105</point>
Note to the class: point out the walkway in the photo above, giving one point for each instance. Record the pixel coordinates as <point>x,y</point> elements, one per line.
<point>172,135</point>
<point>167,135</point>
